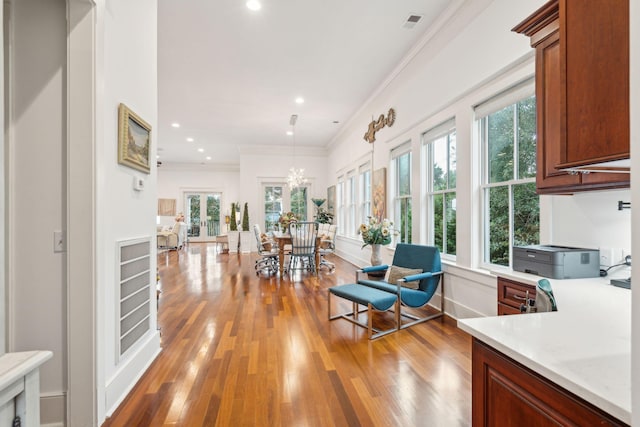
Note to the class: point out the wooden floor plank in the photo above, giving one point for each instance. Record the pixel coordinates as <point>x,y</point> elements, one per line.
<point>246,350</point>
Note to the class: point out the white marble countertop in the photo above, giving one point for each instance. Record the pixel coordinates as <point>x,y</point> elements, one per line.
<point>585,346</point>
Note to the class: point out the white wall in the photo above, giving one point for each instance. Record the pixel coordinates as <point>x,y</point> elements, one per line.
<point>126,73</point>
<point>176,179</point>
<point>592,220</point>
<point>243,183</point>
<point>36,187</point>
<point>476,57</point>
<point>261,165</point>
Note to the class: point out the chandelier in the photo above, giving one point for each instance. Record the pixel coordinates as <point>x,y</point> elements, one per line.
<point>296,177</point>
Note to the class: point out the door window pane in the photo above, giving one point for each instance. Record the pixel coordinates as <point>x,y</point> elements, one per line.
<point>299,203</point>
<point>213,214</point>
<point>272,206</point>
<point>193,215</point>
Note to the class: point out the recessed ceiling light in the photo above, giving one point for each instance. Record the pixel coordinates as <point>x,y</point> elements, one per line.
<point>200,150</point>
<point>289,132</point>
<point>254,5</point>
<point>299,100</point>
<point>208,157</point>
<point>157,157</point>
<point>189,139</point>
<point>175,125</point>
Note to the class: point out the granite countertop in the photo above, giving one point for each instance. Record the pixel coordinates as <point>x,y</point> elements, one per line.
<point>585,346</point>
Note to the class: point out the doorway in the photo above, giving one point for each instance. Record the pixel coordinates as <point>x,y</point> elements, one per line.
<point>278,198</point>
<point>202,216</point>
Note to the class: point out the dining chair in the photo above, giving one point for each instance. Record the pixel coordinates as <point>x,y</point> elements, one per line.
<point>268,251</point>
<point>303,246</point>
<point>327,233</point>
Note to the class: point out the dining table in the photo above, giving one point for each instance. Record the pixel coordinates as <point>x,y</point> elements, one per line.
<point>284,239</point>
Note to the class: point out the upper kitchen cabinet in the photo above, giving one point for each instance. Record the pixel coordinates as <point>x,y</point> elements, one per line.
<point>582,92</point>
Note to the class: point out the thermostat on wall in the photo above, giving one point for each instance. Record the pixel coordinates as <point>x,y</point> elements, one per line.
<point>138,183</point>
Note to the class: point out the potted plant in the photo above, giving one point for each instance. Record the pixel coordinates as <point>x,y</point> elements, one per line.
<point>376,233</point>
<point>245,234</point>
<point>322,216</point>
<point>234,236</point>
<point>284,220</point>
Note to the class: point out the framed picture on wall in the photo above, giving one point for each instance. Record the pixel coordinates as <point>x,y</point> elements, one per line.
<point>134,140</point>
<point>166,207</point>
<point>379,193</point>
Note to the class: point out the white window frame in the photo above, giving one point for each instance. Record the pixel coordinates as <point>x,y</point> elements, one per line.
<point>396,154</point>
<point>350,202</point>
<point>443,130</point>
<point>340,201</point>
<point>364,192</point>
<point>506,98</point>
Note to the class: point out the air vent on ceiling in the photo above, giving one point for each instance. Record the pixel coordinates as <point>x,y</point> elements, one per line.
<point>293,119</point>
<point>411,21</point>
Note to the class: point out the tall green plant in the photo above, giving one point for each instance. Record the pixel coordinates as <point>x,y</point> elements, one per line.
<point>245,217</point>
<point>233,225</point>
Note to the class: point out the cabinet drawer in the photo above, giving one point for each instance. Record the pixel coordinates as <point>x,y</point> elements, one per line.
<point>504,309</point>
<point>512,294</point>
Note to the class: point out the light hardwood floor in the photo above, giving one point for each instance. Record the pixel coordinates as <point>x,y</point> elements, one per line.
<point>242,350</point>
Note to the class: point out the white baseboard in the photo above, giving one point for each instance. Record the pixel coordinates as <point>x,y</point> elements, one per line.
<point>129,372</point>
<point>52,409</point>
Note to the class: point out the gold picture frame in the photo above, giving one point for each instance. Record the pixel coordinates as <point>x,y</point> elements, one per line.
<point>134,140</point>
<point>379,193</point>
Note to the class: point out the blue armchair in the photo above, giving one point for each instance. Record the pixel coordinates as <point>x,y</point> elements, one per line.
<point>417,258</point>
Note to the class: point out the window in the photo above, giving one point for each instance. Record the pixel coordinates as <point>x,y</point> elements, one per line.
<point>299,202</point>
<point>272,206</point>
<point>340,201</point>
<point>279,199</point>
<point>364,193</point>
<point>350,197</point>
<point>401,167</point>
<point>440,201</point>
<point>511,213</point>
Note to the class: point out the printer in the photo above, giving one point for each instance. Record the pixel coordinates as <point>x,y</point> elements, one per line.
<point>557,262</point>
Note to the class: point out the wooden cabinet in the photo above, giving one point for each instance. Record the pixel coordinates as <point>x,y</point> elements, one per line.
<point>582,91</point>
<point>506,393</point>
<point>512,294</point>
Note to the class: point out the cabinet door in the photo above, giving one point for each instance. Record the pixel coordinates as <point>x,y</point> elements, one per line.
<point>549,119</point>
<point>595,57</point>
<point>505,393</point>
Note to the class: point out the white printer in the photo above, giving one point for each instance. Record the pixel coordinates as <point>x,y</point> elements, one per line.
<point>557,262</point>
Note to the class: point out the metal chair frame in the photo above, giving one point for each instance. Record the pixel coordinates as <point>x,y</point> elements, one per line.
<point>303,245</point>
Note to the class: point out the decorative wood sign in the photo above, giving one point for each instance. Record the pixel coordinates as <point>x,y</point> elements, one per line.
<point>376,125</point>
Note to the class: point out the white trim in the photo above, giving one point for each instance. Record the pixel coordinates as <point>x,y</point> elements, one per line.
<point>85,359</point>
<point>517,92</point>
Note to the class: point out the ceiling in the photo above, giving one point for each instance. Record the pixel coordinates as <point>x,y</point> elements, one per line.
<point>229,76</point>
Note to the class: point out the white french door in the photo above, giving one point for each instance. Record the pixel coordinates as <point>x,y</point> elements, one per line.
<point>278,198</point>
<point>202,215</point>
